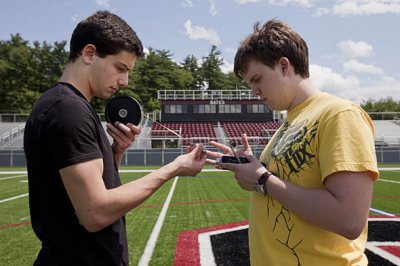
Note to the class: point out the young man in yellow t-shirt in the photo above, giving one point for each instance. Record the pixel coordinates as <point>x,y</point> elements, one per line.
<point>310,203</point>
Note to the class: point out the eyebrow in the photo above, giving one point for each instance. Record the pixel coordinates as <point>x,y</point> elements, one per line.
<point>124,66</point>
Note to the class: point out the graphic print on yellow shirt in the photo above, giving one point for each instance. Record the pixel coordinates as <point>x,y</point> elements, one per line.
<point>316,140</point>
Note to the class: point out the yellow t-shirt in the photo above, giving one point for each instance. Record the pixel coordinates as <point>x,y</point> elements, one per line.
<point>323,135</point>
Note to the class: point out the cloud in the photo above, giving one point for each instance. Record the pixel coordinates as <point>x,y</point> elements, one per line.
<point>355,66</point>
<point>146,51</point>
<point>199,32</point>
<point>243,2</point>
<point>226,67</point>
<point>187,3</point>
<point>301,3</point>
<point>353,49</point>
<point>327,80</point>
<point>366,7</point>
<point>103,3</point>
<point>352,88</point>
<point>75,18</point>
<point>383,88</point>
<point>213,10</point>
<point>322,11</point>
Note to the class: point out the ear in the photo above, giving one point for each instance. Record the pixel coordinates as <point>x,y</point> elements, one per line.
<point>284,65</point>
<point>88,52</point>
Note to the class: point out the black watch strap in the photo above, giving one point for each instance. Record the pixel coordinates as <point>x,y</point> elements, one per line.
<point>263,178</point>
<point>260,185</point>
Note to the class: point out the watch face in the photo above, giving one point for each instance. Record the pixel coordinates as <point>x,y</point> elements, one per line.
<point>259,189</point>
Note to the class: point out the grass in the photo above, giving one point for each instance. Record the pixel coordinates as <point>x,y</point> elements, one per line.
<point>212,198</point>
<point>386,195</point>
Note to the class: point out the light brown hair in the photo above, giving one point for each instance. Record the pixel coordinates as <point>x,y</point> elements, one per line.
<point>274,40</point>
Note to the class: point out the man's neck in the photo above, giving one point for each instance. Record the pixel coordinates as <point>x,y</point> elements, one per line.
<point>75,75</point>
<point>304,90</point>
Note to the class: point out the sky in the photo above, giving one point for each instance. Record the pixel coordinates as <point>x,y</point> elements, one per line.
<point>353,44</point>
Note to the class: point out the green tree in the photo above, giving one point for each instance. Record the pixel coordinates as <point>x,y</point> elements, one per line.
<point>157,71</point>
<point>234,83</point>
<point>190,64</point>
<point>382,105</point>
<point>25,72</point>
<point>379,106</point>
<point>211,70</point>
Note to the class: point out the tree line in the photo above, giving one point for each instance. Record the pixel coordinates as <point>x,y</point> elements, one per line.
<point>26,71</point>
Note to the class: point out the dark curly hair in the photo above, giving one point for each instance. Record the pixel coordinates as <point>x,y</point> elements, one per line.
<point>108,32</point>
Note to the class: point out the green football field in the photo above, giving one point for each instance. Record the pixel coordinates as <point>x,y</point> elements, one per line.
<point>210,199</point>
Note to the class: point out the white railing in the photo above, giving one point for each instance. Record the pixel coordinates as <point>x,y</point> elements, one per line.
<point>206,95</point>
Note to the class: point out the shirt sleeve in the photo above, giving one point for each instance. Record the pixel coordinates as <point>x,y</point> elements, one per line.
<point>73,137</point>
<point>347,144</point>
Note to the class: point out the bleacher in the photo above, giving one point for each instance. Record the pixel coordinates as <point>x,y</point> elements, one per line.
<point>261,130</point>
<point>387,132</point>
<point>191,132</point>
<point>11,134</point>
<point>203,132</point>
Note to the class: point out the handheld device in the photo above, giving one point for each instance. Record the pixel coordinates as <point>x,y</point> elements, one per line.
<point>232,159</point>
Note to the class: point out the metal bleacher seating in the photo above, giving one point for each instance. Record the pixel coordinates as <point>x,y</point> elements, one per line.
<point>191,132</point>
<point>387,132</point>
<point>257,130</point>
<point>203,132</point>
<point>11,134</point>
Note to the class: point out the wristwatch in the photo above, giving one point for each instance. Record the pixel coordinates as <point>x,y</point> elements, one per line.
<point>260,185</point>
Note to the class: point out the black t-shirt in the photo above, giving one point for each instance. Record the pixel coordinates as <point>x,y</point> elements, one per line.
<point>62,130</point>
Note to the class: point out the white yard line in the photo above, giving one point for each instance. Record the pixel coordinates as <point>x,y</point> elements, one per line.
<point>389,168</point>
<point>11,177</point>
<point>13,172</point>
<point>151,243</point>
<point>120,171</point>
<point>14,198</point>
<point>382,212</point>
<point>389,181</point>
<point>151,170</point>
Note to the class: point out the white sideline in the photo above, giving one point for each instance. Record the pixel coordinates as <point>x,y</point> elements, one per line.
<point>389,181</point>
<point>382,212</point>
<point>151,170</point>
<point>11,177</point>
<point>13,198</point>
<point>151,243</point>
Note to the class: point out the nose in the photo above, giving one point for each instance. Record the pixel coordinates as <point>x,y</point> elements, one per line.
<point>123,81</point>
<point>254,90</point>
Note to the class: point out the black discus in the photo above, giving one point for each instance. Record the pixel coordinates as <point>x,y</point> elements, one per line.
<point>124,109</point>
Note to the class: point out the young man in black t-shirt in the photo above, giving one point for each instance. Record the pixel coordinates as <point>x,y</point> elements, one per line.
<point>77,202</point>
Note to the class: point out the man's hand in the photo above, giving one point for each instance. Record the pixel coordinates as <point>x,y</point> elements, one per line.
<point>123,136</point>
<point>226,150</point>
<point>190,164</point>
<point>246,174</point>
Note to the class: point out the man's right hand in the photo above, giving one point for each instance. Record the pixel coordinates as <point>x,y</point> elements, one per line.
<point>190,164</point>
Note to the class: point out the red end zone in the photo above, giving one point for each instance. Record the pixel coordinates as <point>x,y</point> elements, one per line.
<point>187,250</point>
<point>383,247</point>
